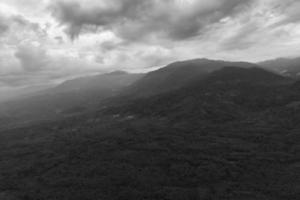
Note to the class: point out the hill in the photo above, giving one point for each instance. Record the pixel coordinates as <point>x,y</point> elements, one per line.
<point>233,134</point>
<point>71,97</point>
<point>177,75</point>
<point>113,81</point>
<point>286,66</point>
<point>225,93</point>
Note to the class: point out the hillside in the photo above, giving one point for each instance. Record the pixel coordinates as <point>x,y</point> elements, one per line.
<point>225,94</point>
<point>177,75</point>
<point>286,66</point>
<point>228,136</point>
<point>164,126</point>
<point>71,97</point>
<point>113,81</point>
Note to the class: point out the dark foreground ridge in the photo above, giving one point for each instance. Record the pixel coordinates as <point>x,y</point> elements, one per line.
<point>232,133</point>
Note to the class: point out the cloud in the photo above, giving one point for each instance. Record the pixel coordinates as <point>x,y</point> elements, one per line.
<point>59,39</point>
<point>3,25</point>
<point>9,18</point>
<point>107,46</point>
<point>44,70</point>
<point>241,38</point>
<point>135,19</point>
<point>23,22</point>
<point>16,28</point>
<point>289,11</point>
<point>32,58</point>
<point>293,12</point>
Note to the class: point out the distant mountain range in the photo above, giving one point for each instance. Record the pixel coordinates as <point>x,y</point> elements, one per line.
<point>223,94</point>
<point>84,94</point>
<point>113,82</point>
<point>286,66</point>
<point>68,98</point>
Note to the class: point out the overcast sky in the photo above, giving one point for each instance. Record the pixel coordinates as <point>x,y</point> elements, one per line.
<point>47,41</point>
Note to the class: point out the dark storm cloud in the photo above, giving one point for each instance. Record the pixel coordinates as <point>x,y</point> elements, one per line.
<point>136,19</point>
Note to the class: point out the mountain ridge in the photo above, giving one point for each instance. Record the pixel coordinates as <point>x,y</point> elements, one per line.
<point>286,66</point>
<point>178,74</point>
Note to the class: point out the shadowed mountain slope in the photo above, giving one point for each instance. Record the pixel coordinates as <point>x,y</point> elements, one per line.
<point>178,74</point>
<point>223,94</point>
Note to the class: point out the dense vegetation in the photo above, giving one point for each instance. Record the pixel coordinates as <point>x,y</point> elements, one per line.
<point>231,135</point>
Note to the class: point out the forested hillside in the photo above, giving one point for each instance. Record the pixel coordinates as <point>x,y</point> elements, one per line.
<point>233,134</point>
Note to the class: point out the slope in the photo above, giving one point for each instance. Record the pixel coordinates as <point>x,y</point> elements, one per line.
<point>71,97</point>
<point>286,66</point>
<point>177,75</point>
<point>171,147</point>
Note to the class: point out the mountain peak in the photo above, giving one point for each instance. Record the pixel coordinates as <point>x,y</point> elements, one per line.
<point>179,74</point>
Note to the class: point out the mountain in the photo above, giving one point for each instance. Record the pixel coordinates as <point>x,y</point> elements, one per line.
<point>233,134</point>
<point>177,75</point>
<point>222,94</point>
<point>113,81</point>
<point>286,66</point>
<point>71,97</point>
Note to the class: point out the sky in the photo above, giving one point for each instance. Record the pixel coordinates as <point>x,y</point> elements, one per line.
<point>43,42</point>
